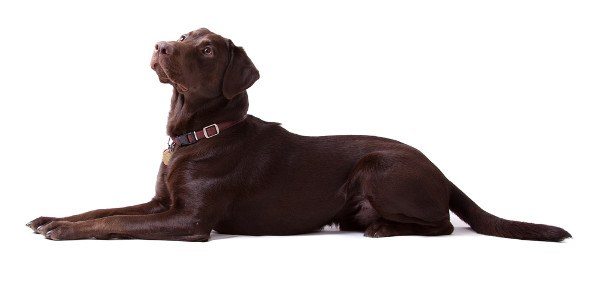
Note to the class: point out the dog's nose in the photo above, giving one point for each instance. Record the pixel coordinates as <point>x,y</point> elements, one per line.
<point>164,48</point>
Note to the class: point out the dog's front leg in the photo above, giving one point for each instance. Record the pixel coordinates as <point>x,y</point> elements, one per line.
<point>193,214</point>
<point>159,203</point>
<point>170,225</point>
<point>151,207</point>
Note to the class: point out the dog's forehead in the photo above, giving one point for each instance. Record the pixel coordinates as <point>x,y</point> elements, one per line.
<point>201,32</point>
<point>205,34</point>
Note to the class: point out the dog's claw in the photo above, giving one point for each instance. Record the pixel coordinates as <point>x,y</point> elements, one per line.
<point>47,234</point>
<point>28,224</point>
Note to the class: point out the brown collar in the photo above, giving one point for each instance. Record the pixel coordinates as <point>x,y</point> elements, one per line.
<point>206,133</point>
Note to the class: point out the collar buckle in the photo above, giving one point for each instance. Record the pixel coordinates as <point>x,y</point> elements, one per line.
<point>206,133</point>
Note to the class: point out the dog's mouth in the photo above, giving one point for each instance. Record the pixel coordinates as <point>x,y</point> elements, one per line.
<point>166,76</point>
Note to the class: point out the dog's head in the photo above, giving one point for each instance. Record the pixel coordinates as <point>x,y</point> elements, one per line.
<point>204,64</point>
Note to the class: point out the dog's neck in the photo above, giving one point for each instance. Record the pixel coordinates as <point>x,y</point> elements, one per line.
<point>188,113</point>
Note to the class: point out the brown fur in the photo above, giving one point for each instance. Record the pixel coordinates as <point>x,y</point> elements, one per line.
<point>257,178</point>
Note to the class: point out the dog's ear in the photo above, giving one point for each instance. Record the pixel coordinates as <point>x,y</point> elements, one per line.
<point>240,74</point>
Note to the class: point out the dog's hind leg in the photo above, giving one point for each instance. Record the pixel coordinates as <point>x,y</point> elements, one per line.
<point>407,191</point>
<point>385,228</point>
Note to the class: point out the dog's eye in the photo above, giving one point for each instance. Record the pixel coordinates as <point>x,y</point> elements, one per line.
<point>182,38</point>
<point>207,51</point>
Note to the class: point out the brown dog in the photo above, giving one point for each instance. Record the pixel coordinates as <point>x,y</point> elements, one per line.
<point>237,174</point>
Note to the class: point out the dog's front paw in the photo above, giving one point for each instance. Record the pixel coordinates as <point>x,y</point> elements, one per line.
<point>58,230</point>
<point>39,222</point>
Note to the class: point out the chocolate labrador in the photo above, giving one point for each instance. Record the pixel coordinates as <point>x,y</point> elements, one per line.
<point>228,171</point>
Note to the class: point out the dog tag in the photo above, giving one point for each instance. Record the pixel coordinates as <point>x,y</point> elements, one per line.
<point>167,156</point>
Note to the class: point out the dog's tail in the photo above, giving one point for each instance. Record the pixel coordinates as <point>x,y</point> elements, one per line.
<point>488,224</point>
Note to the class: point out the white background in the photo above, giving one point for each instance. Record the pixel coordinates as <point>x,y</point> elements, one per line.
<point>498,94</point>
